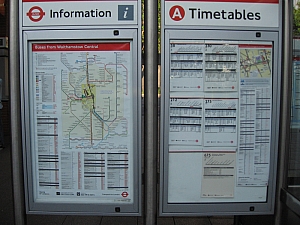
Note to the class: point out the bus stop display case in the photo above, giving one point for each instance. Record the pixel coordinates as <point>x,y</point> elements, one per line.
<point>81,119</point>
<point>220,110</point>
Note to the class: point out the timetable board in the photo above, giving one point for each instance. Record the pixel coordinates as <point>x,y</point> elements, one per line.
<point>219,105</point>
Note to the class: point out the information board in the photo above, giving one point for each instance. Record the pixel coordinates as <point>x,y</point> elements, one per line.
<point>220,98</point>
<point>82,123</point>
<point>83,133</point>
<point>80,64</point>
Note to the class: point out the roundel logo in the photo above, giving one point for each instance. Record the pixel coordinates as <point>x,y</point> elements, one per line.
<point>177,13</point>
<point>35,13</point>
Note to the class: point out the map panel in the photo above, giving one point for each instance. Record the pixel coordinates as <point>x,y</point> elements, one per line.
<point>255,114</point>
<point>83,121</point>
<point>255,62</point>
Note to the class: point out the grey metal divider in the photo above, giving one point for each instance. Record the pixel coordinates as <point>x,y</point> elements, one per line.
<point>287,43</point>
<point>151,107</point>
<point>15,107</point>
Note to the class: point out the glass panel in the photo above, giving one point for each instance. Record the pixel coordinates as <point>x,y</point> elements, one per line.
<point>294,150</point>
<point>82,146</point>
<point>219,120</point>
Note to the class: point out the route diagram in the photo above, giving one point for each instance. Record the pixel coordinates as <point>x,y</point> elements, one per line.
<point>255,63</point>
<point>94,86</point>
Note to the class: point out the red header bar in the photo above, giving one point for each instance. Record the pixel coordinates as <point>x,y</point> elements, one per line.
<point>65,47</point>
<point>233,1</point>
<point>254,46</point>
<point>79,0</point>
<point>296,58</point>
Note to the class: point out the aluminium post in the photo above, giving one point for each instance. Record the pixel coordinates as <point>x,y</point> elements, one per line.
<point>15,115</point>
<point>286,83</point>
<point>151,111</point>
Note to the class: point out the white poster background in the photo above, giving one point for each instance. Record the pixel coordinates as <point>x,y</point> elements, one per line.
<point>104,13</point>
<point>184,182</point>
<point>218,168</point>
<point>269,13</point>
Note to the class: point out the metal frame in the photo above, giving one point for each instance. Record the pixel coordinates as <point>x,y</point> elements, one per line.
<point>287,201</point>
<point>219,33</point>
<point>291,202</point>
<point>75,208</point>
<point>16,134</point>
<point>151,110</point>
<point>85,33</point>
<point>215,207</point>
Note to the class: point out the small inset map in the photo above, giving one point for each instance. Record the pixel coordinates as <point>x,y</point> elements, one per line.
<point>256,62</point>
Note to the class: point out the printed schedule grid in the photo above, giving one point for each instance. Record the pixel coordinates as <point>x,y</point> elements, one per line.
<point>220,101</point>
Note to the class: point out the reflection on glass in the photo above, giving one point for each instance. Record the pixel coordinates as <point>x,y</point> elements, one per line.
<point>294,151</point>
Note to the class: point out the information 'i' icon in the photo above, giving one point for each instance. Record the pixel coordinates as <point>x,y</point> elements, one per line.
<point>125,12</point>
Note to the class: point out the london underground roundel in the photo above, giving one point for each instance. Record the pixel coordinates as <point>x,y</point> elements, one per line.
<point>35,13</point>
<point>176,13</point>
